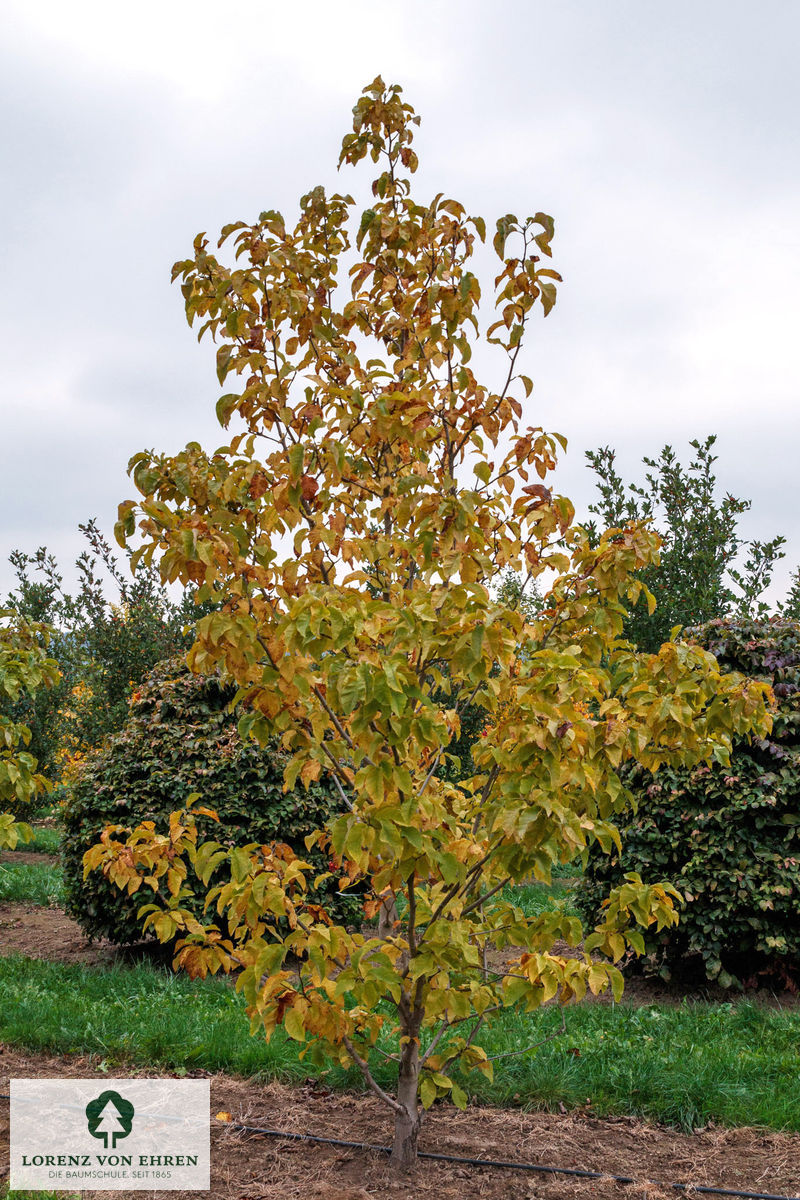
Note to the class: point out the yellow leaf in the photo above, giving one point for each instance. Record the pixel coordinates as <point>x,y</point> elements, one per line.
<point>293,1024</point>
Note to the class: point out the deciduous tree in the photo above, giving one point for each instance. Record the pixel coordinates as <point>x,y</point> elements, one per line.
<point>700,575</point>
<point>24,668</point>
<point>349,532</point>
<point>104,646</point>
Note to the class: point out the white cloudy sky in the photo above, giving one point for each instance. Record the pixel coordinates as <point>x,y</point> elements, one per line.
<point>662,137</point>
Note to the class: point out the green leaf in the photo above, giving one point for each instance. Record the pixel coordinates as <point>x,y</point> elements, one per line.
<point>226,406</point>
<point>224,354</point>
<point>295,459</point>
<point>240,864</point>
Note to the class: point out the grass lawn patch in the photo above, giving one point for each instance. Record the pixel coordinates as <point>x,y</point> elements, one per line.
<point>39,883</point>
<point>682,1065</point>
<point>46,840</point>
<point>686,1065</point>
<point>7,1194</point>
<point>535,898</point>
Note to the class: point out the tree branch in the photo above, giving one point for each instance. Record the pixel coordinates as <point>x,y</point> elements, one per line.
<point>373,1086</point>
<point>445,1025</point>
<point>346,799</point>
<point>482,899</point>
<point>339,727</point>
<point>487,787</point>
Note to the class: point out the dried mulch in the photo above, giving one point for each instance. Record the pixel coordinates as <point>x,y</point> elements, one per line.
<point>255,1167</point>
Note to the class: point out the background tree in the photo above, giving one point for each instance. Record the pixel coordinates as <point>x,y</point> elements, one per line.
<point>790,608</point>
<point>521,593</point>
<point>700,575</point>
<point>104,646</point>
<point>24,668</point>
<point>349,534</point>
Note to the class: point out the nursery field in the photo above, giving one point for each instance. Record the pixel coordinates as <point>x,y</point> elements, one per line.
<point>700,1089</point>
<point>334,698</point>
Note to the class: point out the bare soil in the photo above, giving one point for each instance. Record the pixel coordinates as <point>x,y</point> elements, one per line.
<point>49,933</point>
<point>256,1167</point>
<point>34,858</point>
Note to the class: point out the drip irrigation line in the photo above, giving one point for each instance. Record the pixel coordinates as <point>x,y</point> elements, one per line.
<point>284,1135</point>
<point>510,1166</point>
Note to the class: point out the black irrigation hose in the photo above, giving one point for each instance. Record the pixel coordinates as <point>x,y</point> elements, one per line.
<point>510,1166</point>
<point>507,1166</point>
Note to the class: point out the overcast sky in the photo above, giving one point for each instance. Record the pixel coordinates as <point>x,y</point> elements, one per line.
<point>662,138</point>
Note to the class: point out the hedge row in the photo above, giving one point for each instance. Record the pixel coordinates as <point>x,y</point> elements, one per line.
<point>727,837</point>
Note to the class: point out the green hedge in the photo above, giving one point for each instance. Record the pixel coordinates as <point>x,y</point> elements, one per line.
<point>181,738</point>
<point>727,837</point>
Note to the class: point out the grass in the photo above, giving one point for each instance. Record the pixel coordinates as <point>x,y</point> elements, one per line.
<point>535,898</point>
<point>7,1194</point>
<point>46,840</point>
<point>735,1064</point>
<point>39,883</point>
<point>139,1012</point>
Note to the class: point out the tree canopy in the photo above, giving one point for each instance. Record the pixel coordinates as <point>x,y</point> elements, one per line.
<point>24,668</point>
<point>700,575</point>
<point>104,645</point>
<point>348,534</point>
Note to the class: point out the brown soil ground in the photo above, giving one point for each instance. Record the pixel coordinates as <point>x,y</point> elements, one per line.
<point>33,857</point>
<point>49,933</point>
<point>256,1167</point>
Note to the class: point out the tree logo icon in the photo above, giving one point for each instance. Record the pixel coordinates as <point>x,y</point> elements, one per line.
<point>109,1116</point>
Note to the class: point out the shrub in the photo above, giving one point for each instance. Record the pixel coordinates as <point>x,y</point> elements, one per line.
<point>728,837</point>
<point>181,738</point>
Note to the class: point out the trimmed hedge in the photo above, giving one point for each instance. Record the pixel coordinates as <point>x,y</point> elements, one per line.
<point>727,837</point>
<point>180,738</point>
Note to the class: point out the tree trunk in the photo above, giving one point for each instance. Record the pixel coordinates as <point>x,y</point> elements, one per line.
<point>407,1123</point>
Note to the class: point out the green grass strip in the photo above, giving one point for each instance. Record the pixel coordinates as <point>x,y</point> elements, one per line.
<point>684,1065</point>
<point>39,883</point>
<point>735,1064</point>
<point>46,840</point>
<point>138,1012</point>
<point>536,898</point>
<point>7,1194</point>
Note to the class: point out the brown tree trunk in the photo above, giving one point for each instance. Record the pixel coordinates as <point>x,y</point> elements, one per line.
<point>407,1123</point>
